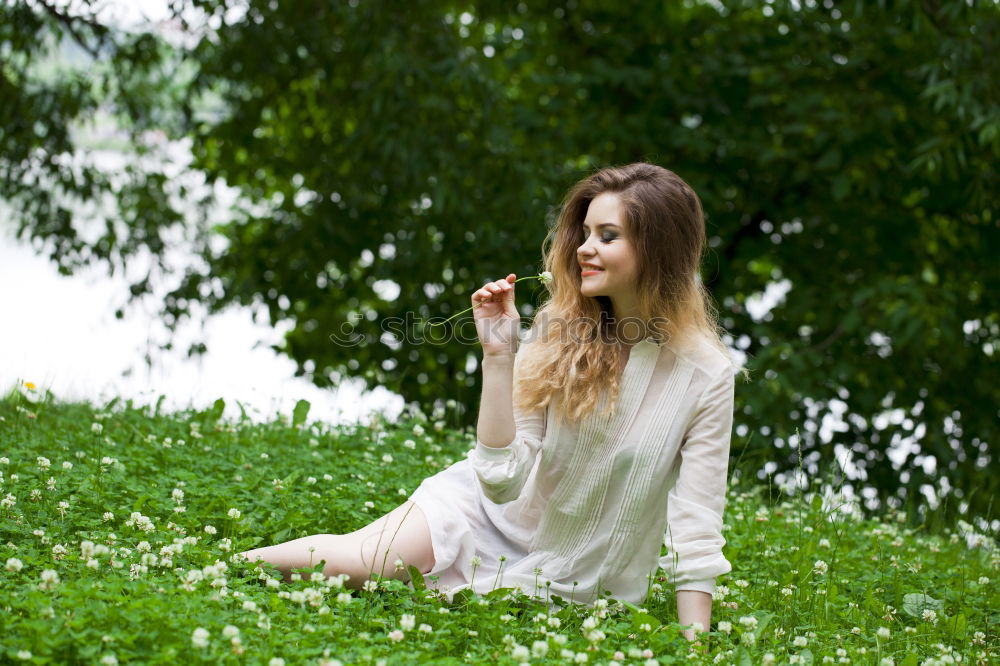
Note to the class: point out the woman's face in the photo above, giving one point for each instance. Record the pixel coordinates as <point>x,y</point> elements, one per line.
<point>606,247</point>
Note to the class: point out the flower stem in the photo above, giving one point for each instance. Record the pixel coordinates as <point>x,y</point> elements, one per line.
<point>442,323</point>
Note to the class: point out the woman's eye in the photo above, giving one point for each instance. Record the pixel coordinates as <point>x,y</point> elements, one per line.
<point>608,238</point>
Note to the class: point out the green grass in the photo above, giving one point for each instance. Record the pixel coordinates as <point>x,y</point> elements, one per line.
<point>287,479</point>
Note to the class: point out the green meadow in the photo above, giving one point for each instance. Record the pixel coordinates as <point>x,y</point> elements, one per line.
<point>119,525</point>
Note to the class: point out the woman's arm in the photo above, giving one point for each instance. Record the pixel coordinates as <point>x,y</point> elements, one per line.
<point>694,606</point>
<point>496,412</point>
<point>508,439</point>
<point>696,502</point>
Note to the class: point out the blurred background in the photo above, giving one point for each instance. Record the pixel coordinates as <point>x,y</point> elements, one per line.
<point>266,201</point>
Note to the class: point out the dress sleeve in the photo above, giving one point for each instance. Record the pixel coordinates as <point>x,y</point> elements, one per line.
<point>696,501</point>
<point>502,471</point>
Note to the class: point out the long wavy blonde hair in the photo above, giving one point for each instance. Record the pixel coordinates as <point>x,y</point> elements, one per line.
<point>574,349</point>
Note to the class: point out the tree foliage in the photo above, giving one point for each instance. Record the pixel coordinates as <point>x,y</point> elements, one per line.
<point>846,150</point>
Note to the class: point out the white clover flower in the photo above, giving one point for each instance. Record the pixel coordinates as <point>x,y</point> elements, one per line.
<point>250,606</point>
<point>407,621</point>
<point>43,463</point>
<point>58,551</point>
<point>929,615</point>
<point>581,658</point>
<point>23,655</point>
<point>590,622</point>
<point>67,465</point>
<point>506,618</point>
<point>344,598</point>
<point>725,627</point>
<point>234,514</point>
<point>800,641</point>
<point>96,428</point>
<point>49,579</point>
<point>276,661</point>
<point>820,567</point>
<point>109,660</point>
<point>14,564</point>
<point>199,638</point>
<point>749,621</point>
<point>211,531</point>
<point>426,628</point>
<point>108,516</point>
<point>387,458</point>
<point>177,494</point>
<point>396,635</point>
<point>983,580</point>
<point>476,561</point>
<point>520,653</point>
<point>883,632</point>
<point>539,649</point>
<point>410,444</point>
<point>767,659</point>
<point>545,277</point>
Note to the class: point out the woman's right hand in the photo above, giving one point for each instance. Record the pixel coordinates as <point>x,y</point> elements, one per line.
<point>497,320</point>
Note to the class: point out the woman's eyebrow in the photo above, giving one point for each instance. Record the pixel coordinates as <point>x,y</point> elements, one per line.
<point>599,226</point>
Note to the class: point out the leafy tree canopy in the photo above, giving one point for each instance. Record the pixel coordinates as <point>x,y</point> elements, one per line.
<point>845,150</point>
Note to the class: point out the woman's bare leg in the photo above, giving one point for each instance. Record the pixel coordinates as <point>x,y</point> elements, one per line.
<point>402,534</point>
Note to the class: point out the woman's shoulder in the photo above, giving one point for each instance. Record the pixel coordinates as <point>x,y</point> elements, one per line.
<point>700,351</point>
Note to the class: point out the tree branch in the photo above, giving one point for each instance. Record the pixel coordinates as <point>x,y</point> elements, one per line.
<point>69,22</point>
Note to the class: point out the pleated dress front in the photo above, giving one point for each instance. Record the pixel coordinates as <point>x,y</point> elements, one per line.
<point>582,510</point>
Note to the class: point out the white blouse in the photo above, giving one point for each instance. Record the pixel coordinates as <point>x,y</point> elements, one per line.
<point>580,509</point>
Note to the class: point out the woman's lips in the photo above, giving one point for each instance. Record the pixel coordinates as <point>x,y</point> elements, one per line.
<point>589,271</point>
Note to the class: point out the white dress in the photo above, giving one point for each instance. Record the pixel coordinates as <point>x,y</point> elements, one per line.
<point>582,509</point>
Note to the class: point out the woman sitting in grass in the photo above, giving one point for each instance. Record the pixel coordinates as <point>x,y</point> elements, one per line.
<point>602,435</point>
